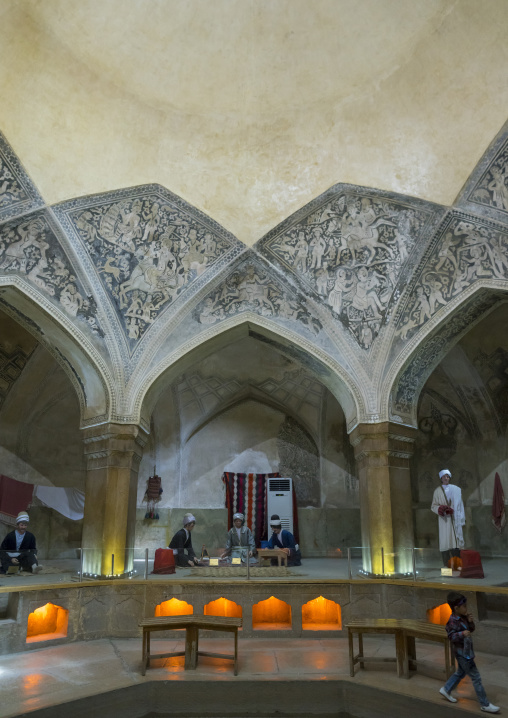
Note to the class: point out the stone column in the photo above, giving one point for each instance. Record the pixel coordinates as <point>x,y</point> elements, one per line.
<point>382,453</point>
<point>113,453</point>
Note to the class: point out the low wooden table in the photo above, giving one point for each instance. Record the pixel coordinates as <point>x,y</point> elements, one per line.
<point>377,625</point>
<point>405,632</point>
<point>269,553</point>
<point>192,624</point>
<point>428,632</point>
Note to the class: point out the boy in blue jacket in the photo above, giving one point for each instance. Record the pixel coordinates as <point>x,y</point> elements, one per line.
<point>284,540</point>
<point>459,628</point>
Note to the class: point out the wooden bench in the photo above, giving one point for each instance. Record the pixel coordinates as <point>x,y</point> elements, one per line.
<point>192,624</point>
<point>269,553</point>
<point>405,632</point>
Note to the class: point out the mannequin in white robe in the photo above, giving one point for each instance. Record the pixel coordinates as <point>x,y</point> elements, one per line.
<point>447,504</point>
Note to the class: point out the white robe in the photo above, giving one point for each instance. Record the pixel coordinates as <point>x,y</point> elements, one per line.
<point>450,527</point>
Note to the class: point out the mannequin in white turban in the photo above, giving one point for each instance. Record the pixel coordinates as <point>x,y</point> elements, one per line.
<point>447,504</point>
<point>240,542</point>
<point>181,543</point>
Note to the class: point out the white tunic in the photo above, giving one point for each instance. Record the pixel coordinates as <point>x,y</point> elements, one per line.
<point>450,527</point>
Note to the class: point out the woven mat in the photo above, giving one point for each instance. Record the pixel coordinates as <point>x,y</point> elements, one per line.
<point>257,571</point>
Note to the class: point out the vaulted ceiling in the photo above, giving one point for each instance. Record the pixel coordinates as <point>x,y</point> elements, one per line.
<point>249,109</point>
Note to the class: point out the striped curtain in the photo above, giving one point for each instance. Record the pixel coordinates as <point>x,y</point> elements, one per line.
<point>246,494</point>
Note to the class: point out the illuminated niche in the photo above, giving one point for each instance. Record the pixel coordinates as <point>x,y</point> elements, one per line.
<point>174,607</point>
<point>47,623</point>
<point>271,615</point>
<point>321,615</point>
<point>223,607</point>
<point>439,614</point>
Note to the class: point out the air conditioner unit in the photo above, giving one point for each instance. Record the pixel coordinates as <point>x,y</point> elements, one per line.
<point>279,493</point>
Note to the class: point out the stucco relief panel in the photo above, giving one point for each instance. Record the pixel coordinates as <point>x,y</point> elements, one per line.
<point>491,190</point>
<point>350,251</point>
<point>17,192</point>
<point>31,249</point>
<point>250,288</point>
<point>466,250</point>
<point>148,246</point>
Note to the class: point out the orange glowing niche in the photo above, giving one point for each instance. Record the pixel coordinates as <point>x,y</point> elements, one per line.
<point>271,615</point>
<point>439,614</point>
<point>47,623</point>
<point>321,615</point>
<point>223,607</point>
<point>174,607</point>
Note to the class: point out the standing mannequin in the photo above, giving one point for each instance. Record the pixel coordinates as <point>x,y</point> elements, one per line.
<point>447,504</point>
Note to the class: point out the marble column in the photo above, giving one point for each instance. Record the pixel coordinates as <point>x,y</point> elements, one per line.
<point>113,453</point>
<point>382,453</point>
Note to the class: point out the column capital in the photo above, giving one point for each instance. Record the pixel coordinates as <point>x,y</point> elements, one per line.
<point>386,438</point>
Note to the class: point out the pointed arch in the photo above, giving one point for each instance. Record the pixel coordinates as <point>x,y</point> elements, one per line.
<point>327,370</point>
<point>79,359</point>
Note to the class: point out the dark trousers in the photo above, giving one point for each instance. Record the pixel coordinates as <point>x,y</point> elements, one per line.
<point>26,560</point>
<point>448,554</point>
<point>467,667</point>
<point>182,558</point>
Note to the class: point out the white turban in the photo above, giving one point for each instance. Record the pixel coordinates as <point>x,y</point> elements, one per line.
<point>22,516</point>
<point>188,519</point>
<point>443,472</point>
<point>238,516</point>
<point>275,522</point>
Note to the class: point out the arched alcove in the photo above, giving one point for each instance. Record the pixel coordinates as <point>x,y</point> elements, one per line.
<point>47,623</point>
<point>271,615</point>
<point>174,607</point>
<point>321,614</point>
<point>462,421</point>
<point>223,607</point>
<point>249,398</point>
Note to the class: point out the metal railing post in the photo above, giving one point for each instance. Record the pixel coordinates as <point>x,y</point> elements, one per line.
<point>414,563</point>
<point>382,560</point>
<point>248,567</point>
<point>146,564</point>
<point>112,565</point>
<point>80,564</point>
<point>349,572</point>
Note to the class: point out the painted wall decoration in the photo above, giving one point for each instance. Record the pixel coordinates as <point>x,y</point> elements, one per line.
<point>12,363</point>
<point>430,352</point>
<point>30,248</point>
<point>493,368</point>
<point>350,251</point>
<point>468,249</point>
<point>491,190</point>
<point>148,246</point>
<point>251,288</point>
<point>18,195</point>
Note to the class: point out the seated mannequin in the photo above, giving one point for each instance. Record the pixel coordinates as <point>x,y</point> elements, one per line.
<point>19,548</point>
<point>284,540</point>
<point>181,543</point>
<point>240,542</point>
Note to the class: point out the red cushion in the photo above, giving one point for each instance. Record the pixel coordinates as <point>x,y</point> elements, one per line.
<point>164,561</point>
<point>471,564</point>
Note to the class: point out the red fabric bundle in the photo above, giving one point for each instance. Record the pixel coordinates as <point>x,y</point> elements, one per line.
<point>164,561</point>
<point>471,564</point>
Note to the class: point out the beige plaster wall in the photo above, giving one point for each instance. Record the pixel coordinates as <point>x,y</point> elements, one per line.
<point>248,109</point>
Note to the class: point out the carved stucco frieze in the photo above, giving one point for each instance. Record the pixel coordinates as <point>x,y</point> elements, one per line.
<point>250,288</point>
<point>148,247</point>
<point>18,194</point>
<point>429,353</point>
<point>351,249</point>
<point>465,250</point>
<point>30,248</point>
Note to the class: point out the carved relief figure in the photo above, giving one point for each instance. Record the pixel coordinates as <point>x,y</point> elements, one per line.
<point>31,249</point>
<point>146,252</point>
<point>468,251</point>
<point>250,289</point>
<point>492,188</point>
<point>351,252</point>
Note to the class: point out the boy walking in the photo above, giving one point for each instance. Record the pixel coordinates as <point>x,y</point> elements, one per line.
<point>459,628</point>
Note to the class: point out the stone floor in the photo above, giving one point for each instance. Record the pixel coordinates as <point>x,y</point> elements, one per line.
<point>51,676</point>
<point>312,569</point>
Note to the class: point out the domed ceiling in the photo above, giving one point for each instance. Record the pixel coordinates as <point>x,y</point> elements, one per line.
<point>249,109</point>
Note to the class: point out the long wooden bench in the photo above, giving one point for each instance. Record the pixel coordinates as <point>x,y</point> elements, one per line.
<point>192,624</point>
<point>405,632</point>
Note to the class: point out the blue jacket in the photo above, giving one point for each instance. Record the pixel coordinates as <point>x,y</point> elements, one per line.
<point>461,645</point>
<point>286,540</point>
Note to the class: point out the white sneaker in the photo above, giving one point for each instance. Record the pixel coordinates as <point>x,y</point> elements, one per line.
<point>490,708</point>
<point>448,696</point>
<point>36,568</point>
